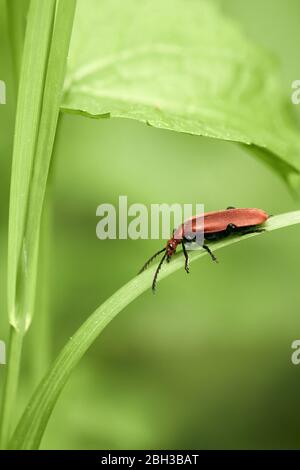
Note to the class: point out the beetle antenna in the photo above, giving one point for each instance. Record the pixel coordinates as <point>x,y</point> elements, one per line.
<point>157,271</point>
<point>150,260</point>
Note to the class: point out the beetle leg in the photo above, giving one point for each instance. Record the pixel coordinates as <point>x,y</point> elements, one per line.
<point>210,253</point>
<point>231,228</point>
<point>253,230</point>
<point>186,266</point>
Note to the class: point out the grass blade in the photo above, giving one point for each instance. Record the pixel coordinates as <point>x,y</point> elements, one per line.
<point>16,19</point>
<point>42,77</point>
<point>32,425</point>
<point>47,130</point>
<point>39,30</point>
<point>40,24</point>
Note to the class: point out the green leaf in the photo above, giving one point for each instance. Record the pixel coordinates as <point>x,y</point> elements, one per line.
<point>180,65</point>
<point>32,425</point>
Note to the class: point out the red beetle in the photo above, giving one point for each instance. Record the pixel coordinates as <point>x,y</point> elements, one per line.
<point>217,225</point>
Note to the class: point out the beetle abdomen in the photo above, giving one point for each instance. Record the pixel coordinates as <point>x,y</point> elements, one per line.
<point>219,220</point>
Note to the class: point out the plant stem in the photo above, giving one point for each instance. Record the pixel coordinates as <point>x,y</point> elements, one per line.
<point>21,289</point>
<point>44,148</point>
<point>11,384</point>
<point>38,338</point>
<point>41,83</point>
<point>30,98</point>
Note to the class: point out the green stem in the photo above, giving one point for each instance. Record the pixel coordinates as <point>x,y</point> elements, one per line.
<point>38,338</point>
<point>34,63</point>
<point>44,150</point>
<point>30,98</point>
<point>10,385</point>
<point>41,81</point>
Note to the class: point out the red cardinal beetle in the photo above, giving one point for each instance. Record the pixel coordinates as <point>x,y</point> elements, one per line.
<point>217,225</point>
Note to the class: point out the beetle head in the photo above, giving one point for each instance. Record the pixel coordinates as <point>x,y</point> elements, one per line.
<point>171,248</point>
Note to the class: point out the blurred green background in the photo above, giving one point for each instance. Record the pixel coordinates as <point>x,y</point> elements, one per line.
<point>206,362</point>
